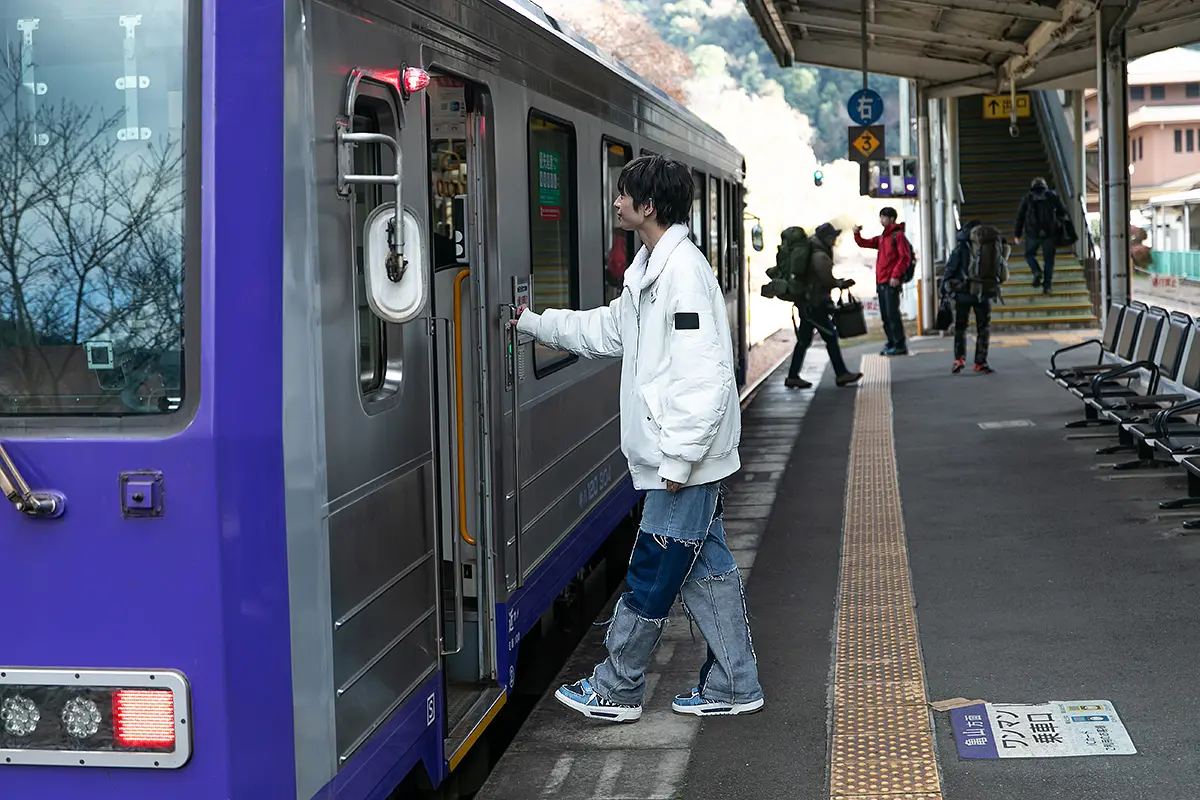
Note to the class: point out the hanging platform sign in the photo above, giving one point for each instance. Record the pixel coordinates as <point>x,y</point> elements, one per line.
<point>1051,730</point>
<point>865,142</point>
<point>865,107</point>
<point>999,106</point>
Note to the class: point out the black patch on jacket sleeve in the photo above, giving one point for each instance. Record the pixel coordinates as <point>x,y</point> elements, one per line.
<point>687,321</point>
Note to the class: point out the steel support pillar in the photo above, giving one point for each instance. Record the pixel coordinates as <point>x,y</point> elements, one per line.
<point>1079,212</point>
<point>926,254</point>
<point>950,158</point>
<point>1112,63</point>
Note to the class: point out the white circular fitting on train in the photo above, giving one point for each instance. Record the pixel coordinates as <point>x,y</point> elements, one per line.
<point>20,716</point>
<point>81,717</point>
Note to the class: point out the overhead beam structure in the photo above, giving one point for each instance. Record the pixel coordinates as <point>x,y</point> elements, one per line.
<point>961,47</point>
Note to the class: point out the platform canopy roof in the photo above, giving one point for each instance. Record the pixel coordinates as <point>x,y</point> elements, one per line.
<point>966,46</point>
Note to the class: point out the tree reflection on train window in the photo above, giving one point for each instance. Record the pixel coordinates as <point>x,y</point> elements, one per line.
<point>92,186</point>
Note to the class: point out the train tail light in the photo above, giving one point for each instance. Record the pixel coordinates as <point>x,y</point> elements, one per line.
<point>144,718</point>
<point>108,718</point>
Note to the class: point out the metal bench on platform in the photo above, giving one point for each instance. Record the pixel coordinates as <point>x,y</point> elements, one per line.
<point>1107,356</point>
<point>1117,349</point>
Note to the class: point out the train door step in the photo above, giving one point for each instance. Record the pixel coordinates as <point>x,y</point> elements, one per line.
<point>487,705</point>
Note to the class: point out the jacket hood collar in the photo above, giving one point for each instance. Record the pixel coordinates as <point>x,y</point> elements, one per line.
<point>648,266</point>
<point>895,226</point>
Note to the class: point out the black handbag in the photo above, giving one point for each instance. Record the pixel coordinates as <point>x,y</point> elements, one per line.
<point>945,315</point>
<point>1066,233</point>
<point>849,317</point>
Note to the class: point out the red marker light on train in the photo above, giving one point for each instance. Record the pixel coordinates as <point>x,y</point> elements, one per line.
<point>144,718</point>
<point>414,79</point>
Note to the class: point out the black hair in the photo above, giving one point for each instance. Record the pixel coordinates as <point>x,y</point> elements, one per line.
<point>663,183</point>
<point>888,211</point>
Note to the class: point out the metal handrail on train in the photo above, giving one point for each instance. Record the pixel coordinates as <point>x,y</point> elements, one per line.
<point>24,499</point>
<point>514,344</point>
<point>463,532</point>
<point>456,554</point>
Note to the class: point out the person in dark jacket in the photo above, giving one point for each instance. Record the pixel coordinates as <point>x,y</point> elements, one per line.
<point>817,313</point>
<point>968,295</point>
<point>1039,222</point>
<point>895,253</point>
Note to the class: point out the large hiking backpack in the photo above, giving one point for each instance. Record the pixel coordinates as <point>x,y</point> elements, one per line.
<point>792,274</point>
<point>987,268</point>
<point>910,266</point>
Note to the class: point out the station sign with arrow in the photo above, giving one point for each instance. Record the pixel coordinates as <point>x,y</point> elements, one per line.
<point>999,106</point>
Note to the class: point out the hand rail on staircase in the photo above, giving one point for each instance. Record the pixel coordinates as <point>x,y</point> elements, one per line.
<point>1055,126</point>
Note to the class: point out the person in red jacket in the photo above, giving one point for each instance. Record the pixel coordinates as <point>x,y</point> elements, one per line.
<point>895,253</point>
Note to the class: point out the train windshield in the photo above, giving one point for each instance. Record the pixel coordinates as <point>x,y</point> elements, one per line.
<point>91,206</point>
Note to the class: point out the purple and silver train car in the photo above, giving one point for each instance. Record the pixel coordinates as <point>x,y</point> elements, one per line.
<point>285,492</point>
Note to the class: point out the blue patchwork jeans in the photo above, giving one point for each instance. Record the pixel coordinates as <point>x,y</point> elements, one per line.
<point>681,550</point>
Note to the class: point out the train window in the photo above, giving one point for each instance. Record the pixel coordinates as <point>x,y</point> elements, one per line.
<point>372,338</point>
<point>732,212</point>
<point>447,120</point>
<point>92,302</point>
<point>698,209</point>
<point>618,244</point>
<point>553,227</point>
<point>714,226</point>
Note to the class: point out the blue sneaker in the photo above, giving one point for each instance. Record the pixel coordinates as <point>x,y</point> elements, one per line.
<point>693,703</point>
<point>583,698</point>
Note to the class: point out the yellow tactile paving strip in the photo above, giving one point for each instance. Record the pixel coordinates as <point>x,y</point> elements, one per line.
<point>1058,337</point>
<point>882,745</point>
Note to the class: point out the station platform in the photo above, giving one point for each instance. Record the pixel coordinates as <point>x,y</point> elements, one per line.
<point>921,537</point>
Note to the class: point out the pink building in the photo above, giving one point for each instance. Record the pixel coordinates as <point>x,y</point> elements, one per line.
<point>1164,126</point>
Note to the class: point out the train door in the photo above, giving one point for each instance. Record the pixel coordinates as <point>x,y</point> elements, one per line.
<point>378,392</point>
<point>458,155</point>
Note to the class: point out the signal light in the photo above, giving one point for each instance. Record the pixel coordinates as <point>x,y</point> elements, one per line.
<point>414,79</point>
<point>144,718</point>
<point>818,177</point>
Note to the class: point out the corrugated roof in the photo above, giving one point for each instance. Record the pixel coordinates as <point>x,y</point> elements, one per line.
<point>965,46</point>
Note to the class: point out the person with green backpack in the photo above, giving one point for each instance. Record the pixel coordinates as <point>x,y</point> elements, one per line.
<point>803,275</point>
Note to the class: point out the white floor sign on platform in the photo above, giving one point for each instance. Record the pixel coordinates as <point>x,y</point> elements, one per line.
<point>1051,730</point>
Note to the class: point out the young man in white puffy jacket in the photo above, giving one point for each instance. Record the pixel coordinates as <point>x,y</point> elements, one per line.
<point>680,426</point>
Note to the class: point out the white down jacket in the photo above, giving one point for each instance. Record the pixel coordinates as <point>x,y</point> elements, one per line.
<point>680,415</point>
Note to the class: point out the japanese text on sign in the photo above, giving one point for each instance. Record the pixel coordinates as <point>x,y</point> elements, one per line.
<point>549,190</point>
<point>999,106</point>
<point>1051,730</point>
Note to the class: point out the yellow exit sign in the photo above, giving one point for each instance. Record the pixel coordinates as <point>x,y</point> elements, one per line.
<point>999,106</point>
